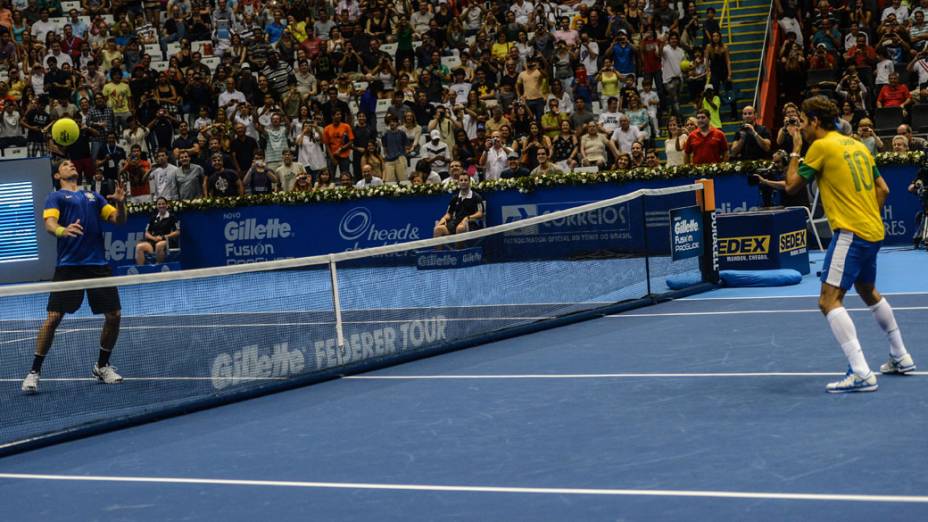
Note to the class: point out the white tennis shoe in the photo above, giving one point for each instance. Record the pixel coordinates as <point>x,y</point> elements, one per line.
<point>900,366</point>
<point>853,384</point>
<point>31,383</point>
<point>107,374</point>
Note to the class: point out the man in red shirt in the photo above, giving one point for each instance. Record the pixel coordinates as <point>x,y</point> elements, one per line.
<point>706,144</point>
<point>861,55</point>
<point>895,94</point>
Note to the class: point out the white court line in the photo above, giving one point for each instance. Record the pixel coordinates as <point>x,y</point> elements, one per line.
<point>743,312</point>
<point>34,333</point>
<point>526,376</point>
<point>596,376</point>
<point>480,489</point>
<point>783,296</point>
<point>80,379</point>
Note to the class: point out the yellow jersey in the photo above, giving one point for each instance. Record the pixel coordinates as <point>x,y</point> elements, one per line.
<point>846,175</point>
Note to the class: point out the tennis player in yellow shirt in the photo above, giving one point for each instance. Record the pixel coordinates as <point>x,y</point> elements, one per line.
<point>852,193</point>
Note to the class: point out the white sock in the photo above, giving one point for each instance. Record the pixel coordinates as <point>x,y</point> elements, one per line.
<point>843,329</point>
<point>883,313</point>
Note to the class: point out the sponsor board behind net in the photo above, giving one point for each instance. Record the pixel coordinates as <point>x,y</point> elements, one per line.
<point>686,232</point>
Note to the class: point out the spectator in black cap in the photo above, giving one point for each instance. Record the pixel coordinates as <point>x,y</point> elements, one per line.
<point>515,169</point>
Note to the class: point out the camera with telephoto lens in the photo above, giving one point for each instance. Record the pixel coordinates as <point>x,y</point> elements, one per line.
<point>772,172</point>
<point>921,222</point>
<point>921,190</point>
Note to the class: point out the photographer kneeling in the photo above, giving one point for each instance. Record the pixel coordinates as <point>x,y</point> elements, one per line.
<point>919,187</point>
<point>772,180</point>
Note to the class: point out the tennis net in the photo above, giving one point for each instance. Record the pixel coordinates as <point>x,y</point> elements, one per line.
<point>199,338</point>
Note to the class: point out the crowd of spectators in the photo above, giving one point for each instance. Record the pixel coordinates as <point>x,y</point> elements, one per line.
<point>184,98</point>
<point>866,55</point>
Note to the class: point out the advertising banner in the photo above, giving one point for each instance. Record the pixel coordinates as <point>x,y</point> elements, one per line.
<point>763,240</point>
<point>251,234</point>
<point>686,233</point>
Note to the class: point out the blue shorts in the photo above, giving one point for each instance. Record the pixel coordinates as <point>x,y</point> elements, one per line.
<point>850,260</point>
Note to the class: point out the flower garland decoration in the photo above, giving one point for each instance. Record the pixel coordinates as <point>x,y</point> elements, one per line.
<point>523,185</point>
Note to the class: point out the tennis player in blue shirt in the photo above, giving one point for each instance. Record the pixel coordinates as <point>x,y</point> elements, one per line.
<point>76,218</point>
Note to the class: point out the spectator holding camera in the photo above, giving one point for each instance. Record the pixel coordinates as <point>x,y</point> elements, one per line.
<point>853,91</point>
<point>773,181</point>
<point>920,182</point>
<point>260,179</point>
<point>752,141</point>
<point>135,169</point>
<point>790,121</point>
<point>494,158</point>
<point>868,137</point>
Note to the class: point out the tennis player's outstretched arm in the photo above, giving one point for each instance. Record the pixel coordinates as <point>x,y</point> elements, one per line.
<point>119,198</point>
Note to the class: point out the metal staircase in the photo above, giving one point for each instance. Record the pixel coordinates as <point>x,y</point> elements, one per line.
<point>743,26</point>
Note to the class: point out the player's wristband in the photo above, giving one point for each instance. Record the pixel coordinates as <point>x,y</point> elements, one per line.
<point>795,155</point>
<point>60,231</point>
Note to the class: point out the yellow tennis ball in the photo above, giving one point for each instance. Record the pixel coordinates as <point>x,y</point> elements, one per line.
<point>65,131</point>
<point>685,65</point>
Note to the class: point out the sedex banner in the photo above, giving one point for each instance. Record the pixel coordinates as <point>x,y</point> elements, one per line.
<point>252,234</point>
<point>762,240</point>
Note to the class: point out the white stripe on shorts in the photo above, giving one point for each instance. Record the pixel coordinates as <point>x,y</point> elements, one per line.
<point>838,258</point>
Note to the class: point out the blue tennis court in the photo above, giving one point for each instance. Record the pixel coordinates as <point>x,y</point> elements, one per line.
<point>707,407</point>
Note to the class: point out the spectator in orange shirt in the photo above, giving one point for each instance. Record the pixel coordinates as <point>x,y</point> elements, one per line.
<point>338,138</point>
<point>894,94</point>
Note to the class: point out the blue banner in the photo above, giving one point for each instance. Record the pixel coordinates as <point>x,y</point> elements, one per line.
<point>686,233</point>
<point>763,240</point>
<point>252,234</point>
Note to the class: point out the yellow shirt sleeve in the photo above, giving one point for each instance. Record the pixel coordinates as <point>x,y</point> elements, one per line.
<point>51,213</point>
<point>814,161</point>
<point>107,211</point>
